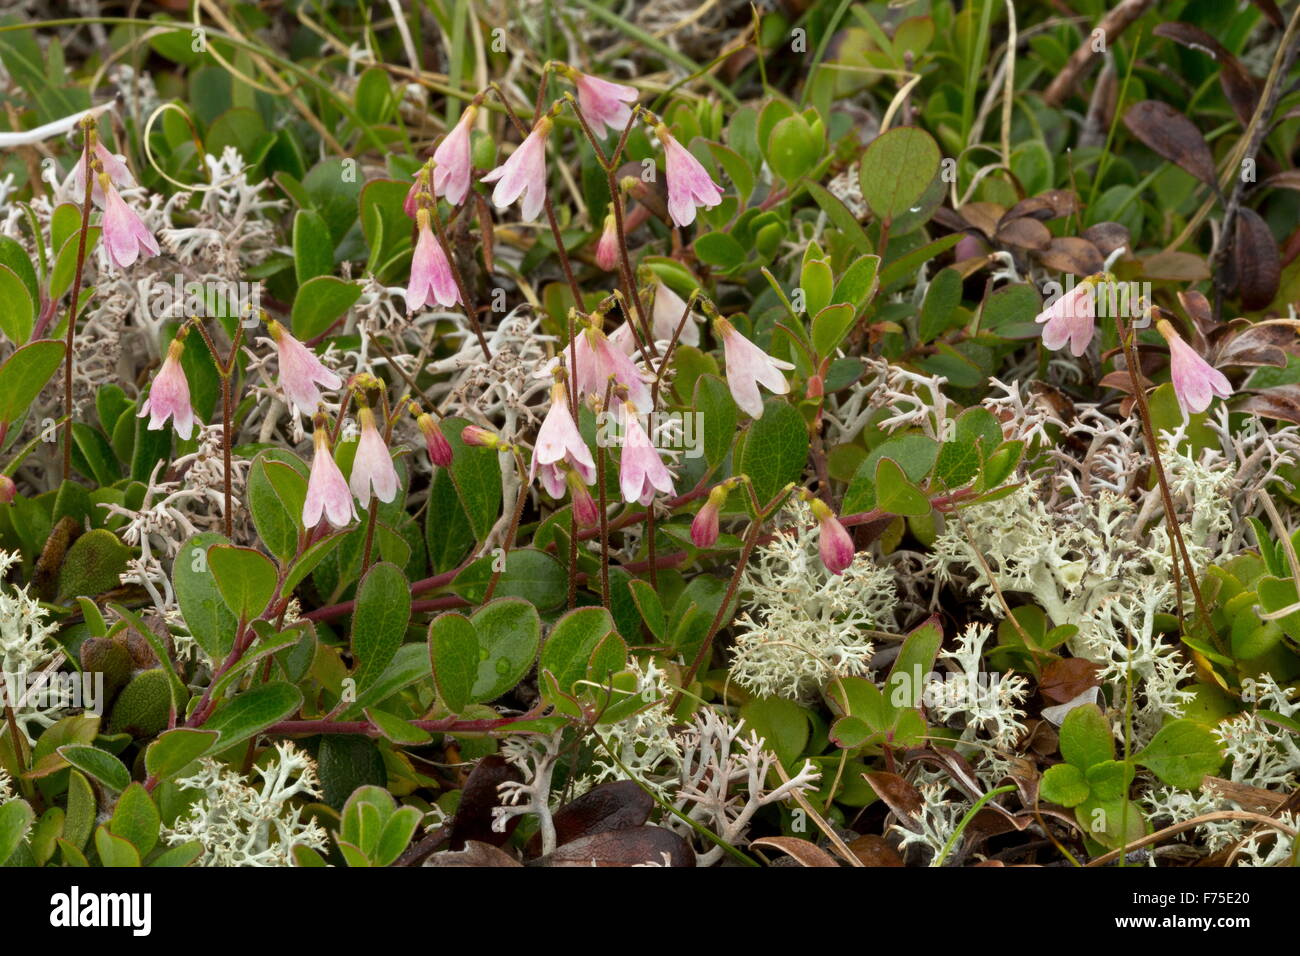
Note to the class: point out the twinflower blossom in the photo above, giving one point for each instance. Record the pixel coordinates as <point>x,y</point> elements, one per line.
<point>300,370</point>
<point>113,166</point>
<point>641,472</point>
<point>524,173</point>
<point>373,465</point>
<point>1196,381</point>
<point>1071,318</point>
<point>452,162</point>
<point>748,366</point>
<point>669,307</point>
<point>125,236</point>
<point>560,445</point>
<point>689,183</point>
<point>599,358</point>
<point>169,396</point>
<point>603,102</point>
<point>431,276</point>
<point>328,495</point>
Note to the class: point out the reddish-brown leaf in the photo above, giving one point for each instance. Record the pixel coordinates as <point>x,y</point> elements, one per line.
<point>875,850</point>
<point>808,854</point>
<point>899,795</point>
<point>1281,402</point>
<point>1024,233</point>
<point>473,819</point>
<point>474,854</point>
<point>1173,266</point>
<point>983,216</point>
<point>1258,265</point>
<point>1170,134</point>
<point>1260,343</point>
<point>1074,255</point>
<point>1066,679</point>
<point>1107,236</point>
<point>617,805</point>
<point>635,845</point>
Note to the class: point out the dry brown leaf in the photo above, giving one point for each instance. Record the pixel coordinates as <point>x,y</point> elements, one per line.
<point>808,854</point>
<point>1170,134</point>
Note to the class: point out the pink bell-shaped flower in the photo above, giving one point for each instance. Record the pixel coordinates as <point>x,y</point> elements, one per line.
<point>607,245</point>
<point>1071,318</point>
<point>834,542</point>
<point>524,173</point>
<point>328,494</point>
<point>113,166</point>
<point>1196,381</point>
<point>599,359</point>
<point>372,467</point>
<point>452,162</point>
<point>641,471</point>
<point>585,510</point>
<point>689,183</point>
<point>439,448</point>
<point>669,308</point>
<point>603,102</point>
<point>169,396</point>
<point>704,529</point>
<point>125,236</point>
<point>431,276</point>
<point>560,446</point>
<point>300,370</point>
<point>748,366</point>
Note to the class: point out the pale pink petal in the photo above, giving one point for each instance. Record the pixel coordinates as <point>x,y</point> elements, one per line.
<point>603,102</point>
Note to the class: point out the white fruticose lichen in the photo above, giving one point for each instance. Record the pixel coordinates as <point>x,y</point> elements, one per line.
<point>985,703</point>
<point>240,824</point>
<point>1096,560</point>
<point>533,793</point>
<point>27,647</point>
<point>1260,754</point>
<point>803,625</point>
<point>933,825</point>
<point>716,755</point>
<point>647,744</point>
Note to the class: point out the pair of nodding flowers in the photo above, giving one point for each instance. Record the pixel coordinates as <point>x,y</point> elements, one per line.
<point>523,174</point>
<point>834,543</point>
<point>1072,318</point>
<point>125,235</point>
<point>329,495</point>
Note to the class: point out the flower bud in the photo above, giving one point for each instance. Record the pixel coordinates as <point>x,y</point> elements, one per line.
<point>704,529</point>
<point>480,437</point>
<point>835,544</point>
<point>7,489</point>
<point>439,447</point>
<point>607,246</point>
<point>585,511</point>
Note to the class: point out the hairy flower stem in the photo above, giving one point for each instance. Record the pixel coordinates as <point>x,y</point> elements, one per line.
<point>641,326</point>
<point>225,371</point>
<point>471,310</point>
<point>88,135</point>
<point>561,253</point>
<point>1171,515</point>
<point>573,559</point>
<point>604,505</point>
